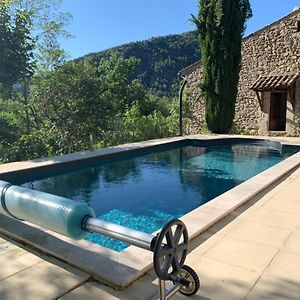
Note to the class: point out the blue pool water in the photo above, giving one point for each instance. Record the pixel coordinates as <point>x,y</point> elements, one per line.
<point>146,191</point>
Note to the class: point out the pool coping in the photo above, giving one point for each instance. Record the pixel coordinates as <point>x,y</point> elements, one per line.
<point>119,269</point>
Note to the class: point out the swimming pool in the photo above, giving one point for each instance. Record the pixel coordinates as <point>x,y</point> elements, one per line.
<point>146,189</point>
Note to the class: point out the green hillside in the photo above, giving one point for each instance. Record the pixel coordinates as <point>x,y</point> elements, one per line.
<point>160,60</point>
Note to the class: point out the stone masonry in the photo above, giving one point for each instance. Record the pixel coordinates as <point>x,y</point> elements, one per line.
<point>275,49</point>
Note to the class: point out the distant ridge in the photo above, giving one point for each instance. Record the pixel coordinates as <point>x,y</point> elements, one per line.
<point>161,58</point>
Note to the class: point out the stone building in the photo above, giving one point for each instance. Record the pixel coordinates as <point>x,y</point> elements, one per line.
<point>268,101</point>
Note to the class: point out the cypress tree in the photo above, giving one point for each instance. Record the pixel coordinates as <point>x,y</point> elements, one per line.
<point>221,24</point>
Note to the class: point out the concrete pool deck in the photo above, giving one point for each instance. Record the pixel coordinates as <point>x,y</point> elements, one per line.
<point>253,253</point>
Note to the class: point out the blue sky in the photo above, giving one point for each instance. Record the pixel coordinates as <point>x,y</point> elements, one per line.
<point>101,24</point>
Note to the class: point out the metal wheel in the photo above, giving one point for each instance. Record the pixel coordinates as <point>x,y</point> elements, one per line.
<point>190,275</point>
<point>170,250</point>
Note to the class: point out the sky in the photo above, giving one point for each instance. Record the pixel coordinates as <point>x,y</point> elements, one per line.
<point>101,24</point>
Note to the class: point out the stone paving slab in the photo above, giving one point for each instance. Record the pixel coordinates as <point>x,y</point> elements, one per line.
<point>273,288</point>
<point>43,280</point>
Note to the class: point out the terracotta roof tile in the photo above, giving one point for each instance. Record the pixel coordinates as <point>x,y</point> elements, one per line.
<point>273,82</point>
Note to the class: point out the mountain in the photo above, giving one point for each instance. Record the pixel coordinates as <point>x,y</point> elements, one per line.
<point>160,60</point>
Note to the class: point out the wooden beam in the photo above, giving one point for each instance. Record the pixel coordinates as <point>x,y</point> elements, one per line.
<point>292,93</point>
<point>259,100</point>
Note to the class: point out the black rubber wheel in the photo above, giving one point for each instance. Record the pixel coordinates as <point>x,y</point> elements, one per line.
<point>170,249</point>
<point>190,275</point>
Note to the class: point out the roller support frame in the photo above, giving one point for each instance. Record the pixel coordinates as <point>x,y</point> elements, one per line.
<point>152,243</point>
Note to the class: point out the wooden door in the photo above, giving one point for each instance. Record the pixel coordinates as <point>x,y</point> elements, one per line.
<point>277,117</point>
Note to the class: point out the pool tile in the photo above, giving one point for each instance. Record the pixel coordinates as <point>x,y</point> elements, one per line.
<point>245,254</point>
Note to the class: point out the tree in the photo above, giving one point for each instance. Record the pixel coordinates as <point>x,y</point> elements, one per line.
<point>77,100</point>
<point>68,106</point>
<point>47,27</point>
<point>221,24</point>
<point>16,59</point>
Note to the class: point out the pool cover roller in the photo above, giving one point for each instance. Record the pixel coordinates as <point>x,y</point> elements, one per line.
<point>56,213</point>
<point>75,219</point>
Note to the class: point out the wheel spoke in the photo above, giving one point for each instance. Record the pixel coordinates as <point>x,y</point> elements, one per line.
<point>178,234</point>
<point>165,251</point>
<point>182,247</point>
<point>170,250</point>
<point>170,238</point>
<point>175,263</point>
<point>166,264</point>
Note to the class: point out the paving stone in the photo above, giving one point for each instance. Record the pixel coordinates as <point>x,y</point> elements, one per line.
<point>293,243</point>
<point>287,201</point>
<point>242,253</point>
<point>26,259</point>
<point>9,267</point>
<point>201,245</point>
<point>16,252</point>
<point>225,225</point>
<point>42,281</point>
<point>2,241</point>
<point>274,217</point>
<point>90,291</point>
<point>272,288</point>
<point>261,233</point>
<point>142,289</point>
<point>285,266</point>
<point>6,247</point>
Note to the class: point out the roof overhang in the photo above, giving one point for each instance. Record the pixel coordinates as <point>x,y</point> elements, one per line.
<point>275,82</point>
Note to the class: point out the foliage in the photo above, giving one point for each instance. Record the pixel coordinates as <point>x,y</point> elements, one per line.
<point>12,131</point>
<point>16,52</point>
<point>63,104</point>
<point>160,59</point>
<point>238,129</point>
<point>47,27</point>
<point>221,25</point>
<point>136,126</point>
<point>78,100</point>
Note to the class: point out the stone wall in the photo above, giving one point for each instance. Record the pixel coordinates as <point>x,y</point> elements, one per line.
<point>269,51</point>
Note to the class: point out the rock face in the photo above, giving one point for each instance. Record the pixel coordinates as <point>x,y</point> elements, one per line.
<point>272,50</point>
